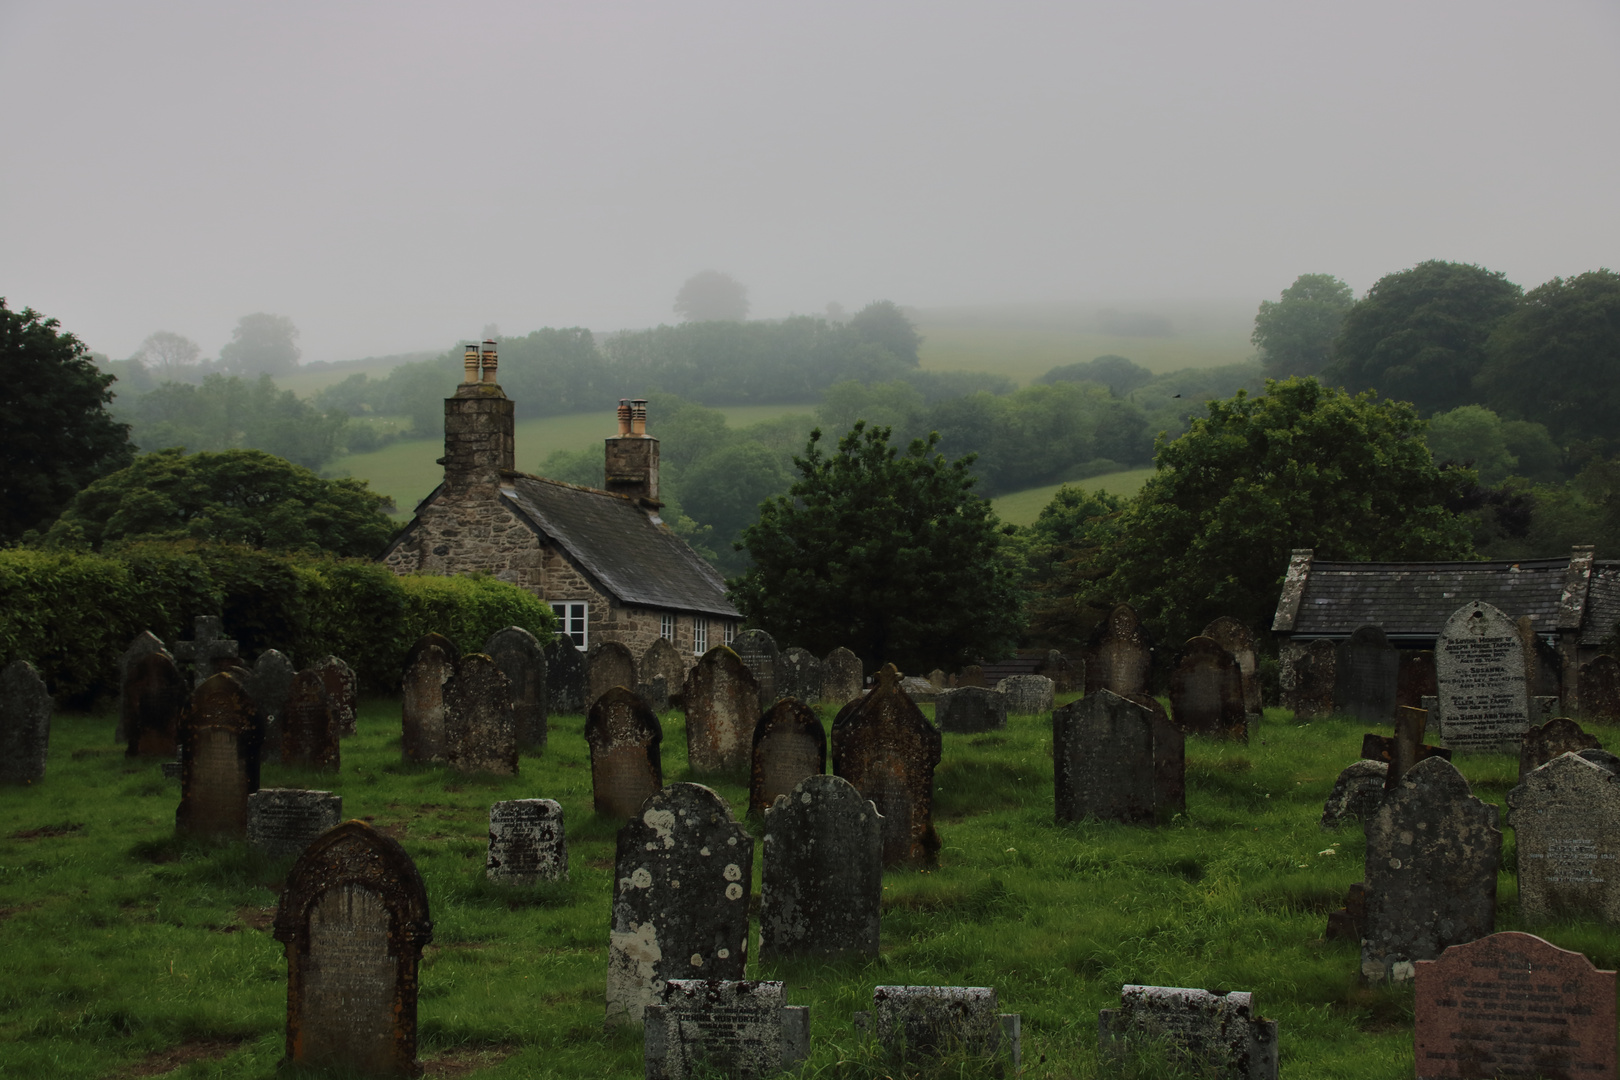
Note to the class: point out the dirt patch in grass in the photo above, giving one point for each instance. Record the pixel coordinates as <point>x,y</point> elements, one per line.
<point>67,828</point>
<point>464,1060</point>
<point>159,1062</point>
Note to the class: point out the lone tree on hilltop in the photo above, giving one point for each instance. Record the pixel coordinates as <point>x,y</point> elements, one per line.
<point>711,296</point>
<point>262,344</point>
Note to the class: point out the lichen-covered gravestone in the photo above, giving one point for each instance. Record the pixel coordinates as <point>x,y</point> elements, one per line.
<point>626,769</point>
<point>1356,793</point>
<point>662,661</point>
<point>220,736</point>
<point>520,658</point>
<point>1600,688</point>
<point>309,738</point>
<point>1309,681</point>
<point>725,1027</point>
<point>480,731</point>
<point>1484,694</point>
<point>1432,855</point>
<point>1542,743</point>
<point>1220,1033</point>
<point>429,665</point>
<point>1238,640</point>
<point>1366,676</point>
<point>25,724</point>
<point>1104,757</point>
<point>970,709</point>
<point>842,678</point>
<point>527,843</point>
<point>155,696</point>
<point>1027,695</point>
<point>143,644</point>
<point>208,651</point>
<point>1120,655</point>
<point>798,675</point>
<point>343,689</point>
<point>608,664</point>
<point>354,919</point>
<point>722,708</point>
<point>757,650</point>
<point>789,745</point>
<point>1566,824</point>
<point>566,684</point>
<point>269,684</point>
<point>1206,691</point>
<point>915,1023</point>
<point>682,870</point>
<point>285,821</point>
<point>821,890</point>
<point>886,747</point>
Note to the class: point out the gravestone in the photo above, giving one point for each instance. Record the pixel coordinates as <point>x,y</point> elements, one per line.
<point>269,684</point>
<point>624,737</point>
<point>429,666</point>
<point>757,650</point>
<point>565,679</point>
<point>25,724</point>
<point>1356,793</point>
<point>655,693</point>
<point>842,678</point>
<point>918,690</point>
<point>683,870</point>
<point>608,664</point>
<point>1206,692</point>
<point>1542,743</point>
<point>219,758</point>
<point>1604,758</point>
<point>1238,640</point>
<point>662,661</point>
<point>939,678</point>
<point>155,697</point>
<point>1061,670</point>
<point>285,821</point>
<point>140,646</point>
<point>1484,697</point>
<point>520,658</point>
<point>527,843</point>
<point>821,890</point>
<point>972,675</point>
<point>1220,1033</point>
<point>1600,688</point>
<point>1027,695</point>
<point>1415,678</point>
<point>798,675</point>
<point>1103,759</point>
<point>1366,676</point>
<point>1566,824</point>
<point>722,707</point>
<point>354,918</point>
<point>725,1027</point>
<point>886,747</point>
<point>1432,854</point>
<point>480,730</point>
<point>1405,748</point>
<point>970,709</point>
<point>914,1023</point>
<point>789,745</point>
<point>1169,757</point>
<point>310,739</point>
<point>1512,1004</point>
<point>1543,667</point>
<point>1119,657</point>
<point>343,689</point>
<point>1314,676</point>
<point>208,650</point>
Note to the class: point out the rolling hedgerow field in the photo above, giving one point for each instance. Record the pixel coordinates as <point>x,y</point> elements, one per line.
<point>127,953</point>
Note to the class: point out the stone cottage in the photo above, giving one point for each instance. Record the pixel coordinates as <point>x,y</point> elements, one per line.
<point>604,560</point>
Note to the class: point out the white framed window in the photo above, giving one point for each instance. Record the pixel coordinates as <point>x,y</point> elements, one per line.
<point>700,635</point>
<point>572,622</point>
<point>730,632</point>
<point>666,627</point>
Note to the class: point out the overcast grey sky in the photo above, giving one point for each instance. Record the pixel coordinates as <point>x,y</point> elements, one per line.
<point>393,176</point>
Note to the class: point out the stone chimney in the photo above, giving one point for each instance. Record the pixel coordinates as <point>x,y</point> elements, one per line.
<point>477,428</point>
<point>632,455</point>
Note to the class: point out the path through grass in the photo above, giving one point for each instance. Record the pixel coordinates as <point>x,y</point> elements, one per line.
<point>1023,507</point>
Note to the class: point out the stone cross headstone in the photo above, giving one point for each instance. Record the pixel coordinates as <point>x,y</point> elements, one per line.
<point>310,737</point>
<point>1105,755</point>
<point>1415,679</point>
<point>220,735</point>
<point>566,684</point>
<point>480,730</point>
<point>915,1023</point>
<point>1511,1004</point>
<point>1206,692</point>
<point>155,697</point>
<point>1209,1031</point>
<point>683,872</point>
<point>821,889</point>
<point>285,821</point>
<point>626,768</point>
<point>520,658</point>
<point>842,678</point>
<point>140,646</point>
<point>1366,676</point>
<point>1238,640</point>
<point>1356,793</point>
<point>1120,655</point>
<point>722,707</point>
<point>344,690</point>
<point>269,684</point>
<point>663,661</point>
<point>1600,688</point>
<point>789,744</point>
<point>25,724</point>
<point>430,665</point>
<point>609,664</point>
<point>1542,743</point>
<point>208,649</point>
<point>886,747</point>
<point>757,650</point>
<point>1314,675</point>
<point>1027,695</point>
<point>527,843</point>
<point>970,709</point>
<point>726,1027</point>
<point>1432,854</point>
<point>1566,823</point>
<point>354,918</point>
<point>1484,696</point>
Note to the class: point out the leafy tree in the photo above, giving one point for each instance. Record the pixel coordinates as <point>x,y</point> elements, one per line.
<point>882,324</point>
<point>1295,333</point>
<point>1064,552</point>
<point>886,552</point>
<point>1472,435</point>
<point>1120,374</point>
<point>262,344</point>
<point>583,467</point>
<point>712,296</point>
<point>1419,335</point>
<point>168,355</point>
<point>225,413</point>
<point>725,489</point>
<point>235,496</point>
<point>56,434</point>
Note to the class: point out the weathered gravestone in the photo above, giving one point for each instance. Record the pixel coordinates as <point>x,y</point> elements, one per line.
<point>527,843</point>
<point>886,747</point>
<point>683,870</point>
<point>25,724</point>
<point>798,675</point>
<point>1542,743</point>
<point>661,663</point>
<point>1513,1005</point>
<point>429,665</point>
<point>821,890</point>
<point>1108,759</point>
<point>655,692</point>
<point>1484,697</point>
<point>1206,692</point>
<point>208,650</point>
<point>1543,667</point>
<point>939,678</point>
<point>969,709</point>
<point>1066,675</point>
<point>1238,640</point>
<point>285,821</point>
<point>842,678</point>
<point>566,684</point>
<point>342,688</point>
<point>310,737</point>
<point>1220,1033</point>
<point>1432,854</point>
<point>920,691</point>
<point>154,698</point>
<point>1120,655</point>
<point>757,650</point>
<point>269,684</point>
<point>1366,676</point>
<point>520,658</point>
<point>722,707</point>
<point>1402,750</point>
<point>1415,679</point>
<point>1566,824</point>
<point>725,1027</point>
<point>219,758</point>
<point>789,745</point>
<point>624,736</point>
<point>1307,685</point>
<point>914,1023</point>
<point>972,675</point>
<point>1169,757</point>
<point>1356,793</point>
<point>608,664</point>
<point>142,645</point>
<point>354,919</point>
<point>1600,688</point>
<point>1027,695</point>
<point>480,730</point>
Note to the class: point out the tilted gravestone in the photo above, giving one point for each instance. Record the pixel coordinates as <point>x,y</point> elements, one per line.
<point>143,644</point>
<point>722,707</point>
<point>789,745</point>
<point>208,650</point>
<point>1106,752</point>
<point>285,821</point>
<point>354,918</point>
<point>220,735</point>
<point>970,709</point>
<point>915,1023</point>
<point>480,730</point>
<point>626,768</point>
<point>1220,1033</point>
<point>1415,678</point>
<point>725,1027</point>
<point>566,685</point>
<point>1566,825</point>
<point>25,724</point>
<point>1356,793</point>
<point>1484,695</point>
<point>798,675</point>
<point>757,650</point>
<point>1206,692</point>
<point>309,738</point>
<point>520,658</point>
<point>1600,688</point>
<point>269,684</point>
<point>1432,854</point>
<point>821,889</point>
<point>527,842</point>
<point>842,678</point>
<point>1027,695</point>
<point>1238,640</point>
<point>1366,676</point>
<point>343,689</point>
<point>430,664</point>
<point>1120,655</point>
<point>608,664</point>
<point>1542,743</point>
<point>886,747</point>
<point>683,871</point>
<point>1512,1004</point>
<point>661,661</point>
<point>155,697</point>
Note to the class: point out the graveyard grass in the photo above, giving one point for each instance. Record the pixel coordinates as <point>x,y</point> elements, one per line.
<point>128,953</point>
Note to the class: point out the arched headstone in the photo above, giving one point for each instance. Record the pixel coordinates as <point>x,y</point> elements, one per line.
<point>821,889</point>
<point>140,646</point>
<point>789,744</point>
<point>1206,692</point>
<point>842,678</point>
<point>626,762</point>
<point>1484,694</point>
<point>344,690</point>
<point>609,664</point>
<point>25,724</point>
<point>886,747</point>
<point>1104,761</point>
<point>523,662</point>
<point>1542,743</point>
<point>758,652</point>
<point>1238,640</point>
<point>565,679</point>
<point>798,676</point>
<point>480,731</point>
<point>1120,655</point>
<point>310,737</point>
<point>1566,829</point>
<point>220,736</point>
<point>155,696</point>
<point>429,666</point>
<point>1027,695</point>
<point>663,661</point>
<point>269,684</point>
<point>1366,677</point>
<point>722,707</point>
<point>1311,692</point>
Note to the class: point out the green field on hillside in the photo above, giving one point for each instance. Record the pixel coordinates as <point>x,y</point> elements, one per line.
<point>1023,507</point>
<point>1025,354</point>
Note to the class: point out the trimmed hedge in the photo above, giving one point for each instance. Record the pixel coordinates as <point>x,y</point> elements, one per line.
<point>72,615</point>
